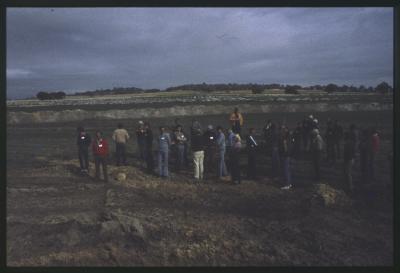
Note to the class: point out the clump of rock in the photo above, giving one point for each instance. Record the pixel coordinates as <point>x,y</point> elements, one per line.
<point>120,177</point>
<point>329,196</point>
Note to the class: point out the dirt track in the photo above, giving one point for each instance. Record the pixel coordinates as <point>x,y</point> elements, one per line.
<point>57,217</point>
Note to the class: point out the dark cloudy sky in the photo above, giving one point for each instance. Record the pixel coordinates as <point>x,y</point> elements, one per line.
<point>74,49</point>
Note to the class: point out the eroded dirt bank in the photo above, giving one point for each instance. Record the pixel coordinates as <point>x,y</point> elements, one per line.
<point>47,116</point>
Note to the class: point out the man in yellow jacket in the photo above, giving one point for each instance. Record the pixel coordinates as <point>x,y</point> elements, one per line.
<point>236,119</point>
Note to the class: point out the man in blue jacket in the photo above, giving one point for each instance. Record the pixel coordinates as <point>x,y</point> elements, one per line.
<point>221,153</point>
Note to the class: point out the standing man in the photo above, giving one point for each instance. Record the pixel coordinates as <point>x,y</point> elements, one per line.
<point>221,153</point>
<point>164,142</point>
<point>100,154</point>
<point>267,136</point>
<point>141,140</point>
<point>148,136</point>
<point>186,145</point>
<point>236,119</point>
<point>275,151</point>
<point>210,141</point>
<point>354,134</point>
<point>83,141</point>
<point>296,140</point>
<point>197,145</point>
<point>229,145</point>
<point>235,160</point>
<point>305,132</point>
<point>330,142</point>
<point>373,149</point>
<point>338,136</point>
<point>120,137</point>
<point>251,146</point>
<point>317,145</point>
<point>364,154</point>
<point>285,150</point>
<point>348,160</point>
<point>180,142</point>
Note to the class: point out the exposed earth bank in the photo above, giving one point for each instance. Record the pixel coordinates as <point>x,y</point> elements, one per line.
<point>134,112</point>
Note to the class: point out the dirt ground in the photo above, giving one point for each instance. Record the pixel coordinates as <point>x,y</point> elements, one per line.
<point>57,217</point>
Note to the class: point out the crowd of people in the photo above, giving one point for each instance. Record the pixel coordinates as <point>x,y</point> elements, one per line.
<point>217,152</point>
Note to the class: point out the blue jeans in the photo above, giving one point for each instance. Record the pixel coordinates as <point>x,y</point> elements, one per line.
<point>286,170</point>
<point>221,166</point>
<point>163,163</point>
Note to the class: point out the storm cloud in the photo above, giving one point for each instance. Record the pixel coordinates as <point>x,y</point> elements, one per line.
<point>76,49</point>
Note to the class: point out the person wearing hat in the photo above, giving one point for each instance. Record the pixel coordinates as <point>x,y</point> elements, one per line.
<point>251,147</point>
<point>120,137</point>
<point>236,119</point>
<point>83,141</point>
<point>235,160</point>
<point>316,152</point>
<point>210,141</point>
<point>197,146</point>
<point>100,154</point>
<point>141,140</point>
<point>164,143</point>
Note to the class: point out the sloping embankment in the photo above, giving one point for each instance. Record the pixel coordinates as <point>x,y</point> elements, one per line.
<point>21,117</point>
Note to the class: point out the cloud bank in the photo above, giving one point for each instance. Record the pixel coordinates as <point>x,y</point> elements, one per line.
<point>75,49</point>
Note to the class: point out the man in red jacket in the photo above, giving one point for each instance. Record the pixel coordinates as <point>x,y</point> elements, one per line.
<point>100,154</point>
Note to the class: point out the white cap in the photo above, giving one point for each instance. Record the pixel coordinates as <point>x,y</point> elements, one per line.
<point>141,122</point>
<point>315,120</point>
<point>311,116</point>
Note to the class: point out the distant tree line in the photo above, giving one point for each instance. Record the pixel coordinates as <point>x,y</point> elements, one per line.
<point>226,86</point>
<point>381,88</point>
<point>289,89</point>
<point>50,96</point>
<point>116,90</point>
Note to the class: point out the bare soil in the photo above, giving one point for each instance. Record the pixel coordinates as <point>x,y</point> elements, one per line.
<point>58,217</point>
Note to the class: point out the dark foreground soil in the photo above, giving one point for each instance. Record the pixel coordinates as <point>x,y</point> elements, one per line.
<point>57,217</point>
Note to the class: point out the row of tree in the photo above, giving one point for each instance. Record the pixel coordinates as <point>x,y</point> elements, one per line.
<point>382,88</point>
<point>50,96</point>
<point>116,90</point>
<point>289,89</point>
